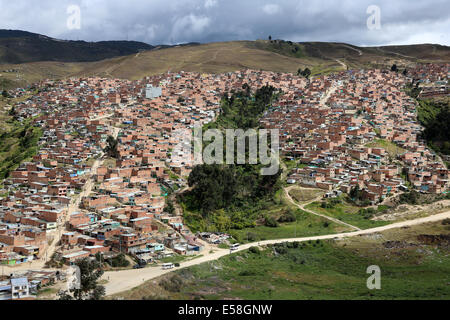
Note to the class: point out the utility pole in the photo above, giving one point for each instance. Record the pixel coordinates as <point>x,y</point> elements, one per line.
<point>295,232</point>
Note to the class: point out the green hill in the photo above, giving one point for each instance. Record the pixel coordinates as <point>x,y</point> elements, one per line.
<point>21,47</point>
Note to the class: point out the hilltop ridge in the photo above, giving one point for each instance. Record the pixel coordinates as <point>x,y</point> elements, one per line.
<point>26,57</point>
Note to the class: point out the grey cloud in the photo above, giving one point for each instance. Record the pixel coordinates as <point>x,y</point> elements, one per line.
<point>177,21</point>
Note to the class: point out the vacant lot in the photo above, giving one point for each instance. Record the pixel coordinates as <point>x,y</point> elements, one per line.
<point>304,194</point>
<point>391,148</point>
<point>305,225</point>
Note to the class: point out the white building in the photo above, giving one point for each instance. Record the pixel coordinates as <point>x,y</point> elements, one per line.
<point>152,92</point>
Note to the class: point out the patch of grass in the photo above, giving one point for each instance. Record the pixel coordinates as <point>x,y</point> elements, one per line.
<point>304,194</point>
<point>174,259</point>
<point>391,148</point>
<point>346,212</point>
<point>305,225</point>
<point>46,292</point>
<point>110,163</point>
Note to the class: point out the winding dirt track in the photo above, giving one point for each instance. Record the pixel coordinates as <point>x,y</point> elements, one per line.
<point>302,207</point>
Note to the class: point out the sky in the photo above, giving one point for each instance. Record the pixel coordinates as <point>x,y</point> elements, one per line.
<point>358,22</point>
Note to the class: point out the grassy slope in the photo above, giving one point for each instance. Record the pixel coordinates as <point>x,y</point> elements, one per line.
<point>324,270</point>
<point>220,57</point>
<point>348,213</point>
<point>391,148</point>
<point>18,141</point>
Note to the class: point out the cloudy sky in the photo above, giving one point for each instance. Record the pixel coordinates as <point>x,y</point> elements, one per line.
<point>180,21</point>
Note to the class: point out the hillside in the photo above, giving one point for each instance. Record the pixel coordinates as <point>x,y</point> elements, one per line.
<point>414,264</point>
<point>276,55</point>
<point>21,47</point>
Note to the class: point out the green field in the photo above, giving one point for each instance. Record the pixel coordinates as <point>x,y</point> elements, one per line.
<point>410,269</point>
<point>346,212</point>
<point>305,226</point>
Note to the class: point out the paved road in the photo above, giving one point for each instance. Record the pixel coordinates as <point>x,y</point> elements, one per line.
<point>121,281</point>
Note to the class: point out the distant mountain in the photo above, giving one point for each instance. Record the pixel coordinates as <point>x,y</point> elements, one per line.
<point>20,47</point>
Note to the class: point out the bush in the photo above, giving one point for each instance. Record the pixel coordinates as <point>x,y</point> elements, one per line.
<point>289,216</point>
<point>271,222</point>
<point>120,261</point>
<point>173,284</point>
<point>247,273</point>
<point>251,237</point>
<point>410,198</point>
<point>254,250</point>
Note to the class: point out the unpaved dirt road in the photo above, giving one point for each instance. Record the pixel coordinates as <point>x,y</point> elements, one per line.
<point>126,280</point>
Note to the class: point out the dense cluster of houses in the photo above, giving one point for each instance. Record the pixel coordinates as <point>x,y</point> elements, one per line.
<point>340,128</point>
<point>67,193</point>
<point>432,79</point>
<point>124,209</point>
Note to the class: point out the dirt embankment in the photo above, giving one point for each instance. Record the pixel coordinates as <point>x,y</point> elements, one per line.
<point>442,240</point>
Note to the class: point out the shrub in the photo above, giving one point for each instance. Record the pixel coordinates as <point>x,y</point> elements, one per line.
<point>271,222</point>
<point>120,261</point>
<point>289,216</point>
<point>173,284</point>
<point>254,250</point>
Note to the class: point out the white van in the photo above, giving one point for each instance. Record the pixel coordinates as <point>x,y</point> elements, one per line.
<point>167,266</point>
<point>234,247</point>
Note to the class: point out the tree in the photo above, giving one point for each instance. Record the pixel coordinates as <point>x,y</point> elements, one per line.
<point>405,72</point>
<point>13,112</point>
<point>394,68</point>
<point>247,89</point>
<point>89,288</point>
<point>5,94</point>
<point>119,262</point>
<point>356,194</point>
<point>270,38</point>
<point>111,148</point>
<point>271,222</point>
<point>306,73</point>
<point>170,209</point>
